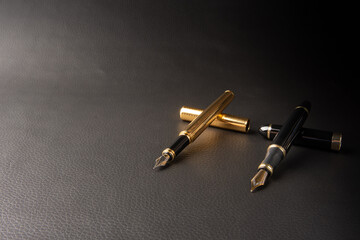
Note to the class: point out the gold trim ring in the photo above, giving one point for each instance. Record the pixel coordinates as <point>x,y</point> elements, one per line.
<point>336,140</point>
<point>279,147</point>
<point>268,131</point>
<point>307,110</point>
<point>185,133</point>
<point>170,152</point>
<point>267,167</point>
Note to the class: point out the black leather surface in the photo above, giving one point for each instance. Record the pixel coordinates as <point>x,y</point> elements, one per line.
<point>91,92</point>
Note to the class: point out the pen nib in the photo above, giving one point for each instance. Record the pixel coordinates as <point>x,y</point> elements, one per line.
<point>161,161</point>
<point>259,179</point>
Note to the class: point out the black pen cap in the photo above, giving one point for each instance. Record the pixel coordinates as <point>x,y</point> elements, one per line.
<point>306,105</point>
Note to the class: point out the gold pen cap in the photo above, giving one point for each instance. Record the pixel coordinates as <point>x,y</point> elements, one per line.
<point>224,121</point>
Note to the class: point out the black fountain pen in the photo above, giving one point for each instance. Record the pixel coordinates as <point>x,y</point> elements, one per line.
<point>281,145</point>
<point>195,128</point>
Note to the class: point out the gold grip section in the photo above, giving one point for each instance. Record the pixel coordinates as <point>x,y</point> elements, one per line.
<point>203,120</point>
<point>222,120</point>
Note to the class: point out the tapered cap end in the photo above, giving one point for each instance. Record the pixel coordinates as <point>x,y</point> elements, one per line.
<point>264,130</point>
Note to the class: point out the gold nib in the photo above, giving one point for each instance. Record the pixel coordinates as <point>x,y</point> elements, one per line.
<point>161,161</point>
<point>259,179</point>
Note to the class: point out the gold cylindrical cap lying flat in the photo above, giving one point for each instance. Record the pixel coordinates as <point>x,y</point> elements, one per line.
<point>224,121</point>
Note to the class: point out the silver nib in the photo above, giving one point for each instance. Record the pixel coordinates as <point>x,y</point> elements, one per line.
<point>259,179</point>
<point>161,161</point>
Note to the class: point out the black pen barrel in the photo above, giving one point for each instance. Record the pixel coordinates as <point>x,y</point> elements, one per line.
<point>284,139</point>
<point>313,138</point>
<point>292,126</point>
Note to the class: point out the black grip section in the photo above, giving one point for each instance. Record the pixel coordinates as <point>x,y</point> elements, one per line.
<point>308,137</point>
<point>273,157</point>
<point>180,144</point>
<point>290,130</point>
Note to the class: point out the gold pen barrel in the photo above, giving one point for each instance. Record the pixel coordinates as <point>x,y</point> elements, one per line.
<point>203,120</point>
<point>225,121</point>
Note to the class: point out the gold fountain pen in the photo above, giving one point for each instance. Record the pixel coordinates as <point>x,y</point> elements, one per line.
<point>195,128</point>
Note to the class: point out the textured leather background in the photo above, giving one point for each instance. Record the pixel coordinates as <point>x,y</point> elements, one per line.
<point>90,93</point>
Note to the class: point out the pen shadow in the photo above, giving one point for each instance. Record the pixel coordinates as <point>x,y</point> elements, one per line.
<point>287,165</point>
<point>306,157</point>
<point>178,159</point>
<point>210,139</point>
<point>299,160</point>
<point>183,156</point>
<point>347,150</point>
<point>195,149</point>
<point>303,158</point>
